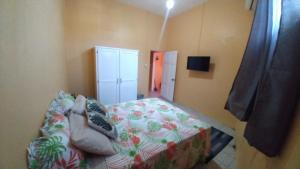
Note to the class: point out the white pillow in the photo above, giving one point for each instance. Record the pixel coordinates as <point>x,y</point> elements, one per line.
<point>79,106</point>
<point>88,139</point>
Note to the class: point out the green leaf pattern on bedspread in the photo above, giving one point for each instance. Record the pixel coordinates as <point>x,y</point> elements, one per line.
<point>50,149</point>
<point>54,152</point>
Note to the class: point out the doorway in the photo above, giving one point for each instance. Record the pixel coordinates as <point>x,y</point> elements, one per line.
<point>162,74</point>
<point>156,72</point>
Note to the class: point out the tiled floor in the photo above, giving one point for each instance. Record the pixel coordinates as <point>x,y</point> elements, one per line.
<point>154,93</point>
<point>226,158</point>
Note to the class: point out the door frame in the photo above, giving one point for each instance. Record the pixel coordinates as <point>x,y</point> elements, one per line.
<point>151,69</point>
<point>152,52</point>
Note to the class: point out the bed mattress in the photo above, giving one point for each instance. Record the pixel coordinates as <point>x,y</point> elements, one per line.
<point>154,134</point>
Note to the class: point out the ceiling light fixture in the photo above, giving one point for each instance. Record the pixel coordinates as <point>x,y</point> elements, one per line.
<point>170,4</point>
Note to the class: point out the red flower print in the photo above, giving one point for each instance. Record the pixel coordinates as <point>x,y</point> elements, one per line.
<point>136,140</point>
<point>173,126</point>
<point>132,130</point>
<point>69,164</point>
<point>171,145</point>
<point>56,118</point>
<point>116,118</point>
<point>137,113</point>
<point>140,104</point>
<point>187,145</point>
<point>164,107</point>
<point>114,109</point>
<point>137,160</point>
<point>171,148</point>
<point>202,133</point>
<point>145,167</point>
<point>169,126</point>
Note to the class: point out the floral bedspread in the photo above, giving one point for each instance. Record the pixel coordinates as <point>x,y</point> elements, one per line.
<point>154,134</point>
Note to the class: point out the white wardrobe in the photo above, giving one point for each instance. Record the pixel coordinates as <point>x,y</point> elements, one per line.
<point>116,74</point>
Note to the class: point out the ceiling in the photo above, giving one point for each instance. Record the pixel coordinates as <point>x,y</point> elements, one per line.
<point>159,6</point>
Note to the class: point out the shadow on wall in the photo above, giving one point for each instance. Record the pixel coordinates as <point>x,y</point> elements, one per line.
<point>92,73</point>
<point>89,71</point>
<point>203,75</point>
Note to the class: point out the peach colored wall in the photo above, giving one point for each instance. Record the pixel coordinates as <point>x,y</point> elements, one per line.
<point>32,70</point>
<point>218,28</point>
<point>107,23</point>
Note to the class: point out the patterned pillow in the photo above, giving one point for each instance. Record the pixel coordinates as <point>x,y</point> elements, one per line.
<point>95,106</point>
<point>54,152</point>
<point>62,103</point>
<point>101,123</point>
<point>54,123</point>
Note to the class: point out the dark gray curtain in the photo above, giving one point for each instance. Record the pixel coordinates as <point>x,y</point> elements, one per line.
<point>266,89</point>
<point>240,100</point>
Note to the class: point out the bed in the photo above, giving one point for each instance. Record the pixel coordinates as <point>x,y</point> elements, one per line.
<point>154,134</point>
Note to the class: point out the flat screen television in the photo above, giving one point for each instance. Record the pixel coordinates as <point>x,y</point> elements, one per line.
<point>198,63</point>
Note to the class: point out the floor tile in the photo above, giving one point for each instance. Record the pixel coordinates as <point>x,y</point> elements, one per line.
<point>229,150</point>
<point>220,164</point>
<point>231,166</point>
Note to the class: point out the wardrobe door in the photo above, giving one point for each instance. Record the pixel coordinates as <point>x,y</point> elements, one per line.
<point>107,75</point>
<point>128,74</point>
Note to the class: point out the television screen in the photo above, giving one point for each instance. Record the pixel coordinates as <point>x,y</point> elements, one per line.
<point>199,63</point>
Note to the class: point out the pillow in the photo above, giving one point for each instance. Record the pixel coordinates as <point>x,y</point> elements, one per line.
<point>55,122</point>
<point>79,106</point>
<point>94,105</point>
<point>54,152</point>
<point>88,139</point>
<point>62,103</point>
<point>101,123</point>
